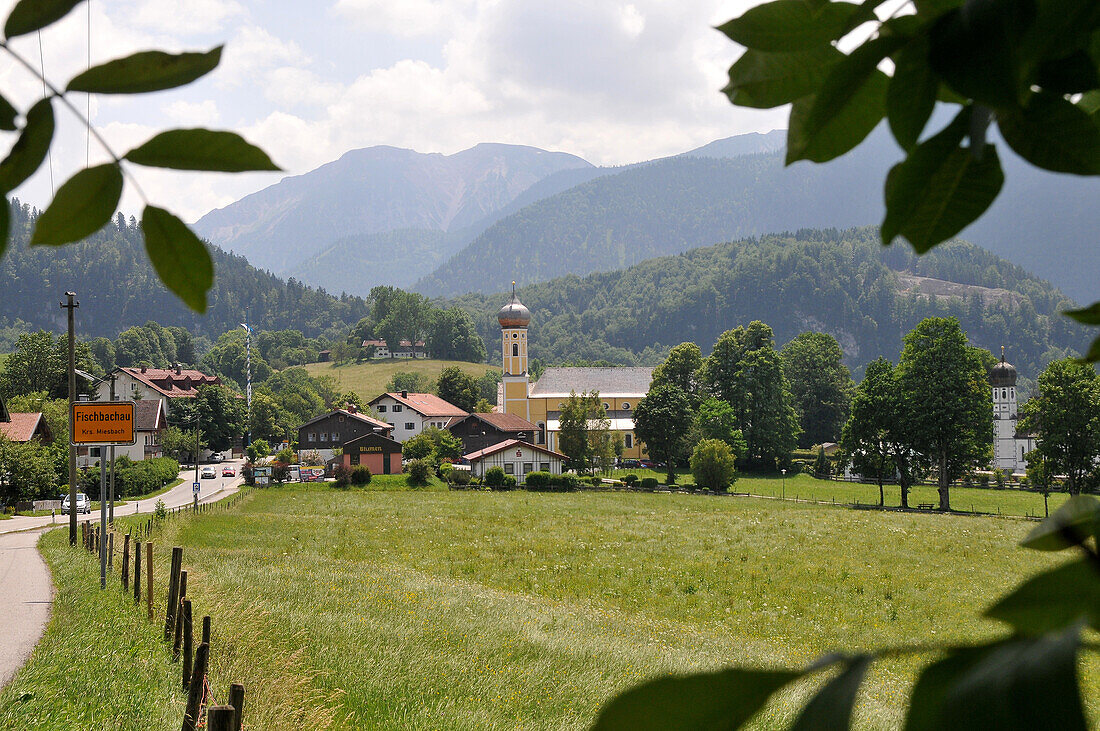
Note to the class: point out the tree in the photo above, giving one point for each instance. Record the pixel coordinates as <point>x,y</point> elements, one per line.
<point>452,336</point>
<point>87,202</point>
<point>434,445</point>
<point>871,437</point>
<point>578,412</point>
<point>661,422</point>
<point>713,465</point>
<point>270,421</point>
<point>681,369</point>
<point>228,359</point>
<point>258,450</point>
<point>220,412</point>
<point>180,444</point>
<point>458,387</point>
<point>483,407</point>
<point>820,384</point>
<point>26,471</point>
<point>40,363</point>
<point>487,384</point>
<point>411,381</point>
<point>716,419</point>
<point>1065,416</point>
<point>945,409</point>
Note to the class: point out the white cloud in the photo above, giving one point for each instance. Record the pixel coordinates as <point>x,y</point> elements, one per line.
<point>289,86</point>
<point>406,18</point>
<point>185,16</point>
<point>191,114</point>
<point>252,51</point>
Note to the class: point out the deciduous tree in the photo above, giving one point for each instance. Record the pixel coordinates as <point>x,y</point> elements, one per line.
<point>821,385</point>
<point>457,387</point>
<point>1065,416</point>
<point>713,465</point>
<point>661,421</point>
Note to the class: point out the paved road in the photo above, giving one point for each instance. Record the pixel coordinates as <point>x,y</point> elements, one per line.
<point>26,590</point>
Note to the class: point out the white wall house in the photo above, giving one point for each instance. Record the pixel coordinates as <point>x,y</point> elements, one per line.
<point>412,413</point>
<point>516,458</point>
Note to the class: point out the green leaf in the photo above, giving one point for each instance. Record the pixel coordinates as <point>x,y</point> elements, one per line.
<point>5,225</point>
<point>1052,600</point>
<point>1093,356</point>
<point>911,96</point>
<point>1016,684</point>
<point>831,707</point>
<point>785,26</point>
<point>30,15</point>
<point>1086,315</point>
<point>1072,74</point>
<point>940,188</point>
<point>30,149</point>
<point>765,80</point>
<point>720,700</point>
<point>1054,134</point>
<point>8,114</point>
<point>82,206</point>
<point>974,49</point>
<point>851,102</point>
<point>201,149</point>
<point>146,71</point>
<point>1068,526</point>
<point>179,258</point>
<point>1089,103</point>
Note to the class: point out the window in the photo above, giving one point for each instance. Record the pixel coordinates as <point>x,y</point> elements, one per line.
<point>354,458</point>
<point>509,468</point>
<point>628,441</point>
<point>409,426</point>
<point>626,406</point>
<point>1004,393</point>
<point>540,437</point>
<point>1021,454</point>
<point>606,406</point>
<point>336,436</point>
<point>396,408</point>
<point>528,467</point>
<point>311,437</point>
<point>544,466</point>
<point>324,436</point>
<point>515,349</point>
<point>381,408</point>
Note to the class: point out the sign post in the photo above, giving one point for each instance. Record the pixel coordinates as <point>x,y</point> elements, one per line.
<point>101,424</point>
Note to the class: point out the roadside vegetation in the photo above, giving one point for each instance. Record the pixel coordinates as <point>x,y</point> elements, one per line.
<point>372,378</point>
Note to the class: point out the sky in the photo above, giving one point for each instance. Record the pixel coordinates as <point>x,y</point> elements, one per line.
<point>613,82</point>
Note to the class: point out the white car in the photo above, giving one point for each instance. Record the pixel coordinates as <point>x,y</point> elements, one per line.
<point>209,473</point>
<point>83,504</point>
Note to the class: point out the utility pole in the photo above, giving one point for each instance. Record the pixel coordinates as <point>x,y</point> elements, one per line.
<point>71,304</point>
<point>102,517</point>
<point>111,517</point>
<point>198,422</point>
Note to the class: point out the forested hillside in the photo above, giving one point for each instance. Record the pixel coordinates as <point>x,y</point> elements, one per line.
<point>117,288</point>
<point>700,198</point>
<point>840,282</point>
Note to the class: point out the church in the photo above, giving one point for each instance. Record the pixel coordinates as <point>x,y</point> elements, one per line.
<point>1010,445</point>
<point>620,389</point>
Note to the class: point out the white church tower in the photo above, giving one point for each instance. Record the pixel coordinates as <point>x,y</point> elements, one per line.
<point>1009,447</point>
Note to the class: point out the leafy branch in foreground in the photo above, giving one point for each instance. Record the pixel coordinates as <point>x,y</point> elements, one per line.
<point>85,203</point>
<point>1027,680</point>
<point>1030,66</point>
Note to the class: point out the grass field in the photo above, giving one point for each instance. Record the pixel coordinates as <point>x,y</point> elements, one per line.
<point>370,379</point>
<point>408,609</point>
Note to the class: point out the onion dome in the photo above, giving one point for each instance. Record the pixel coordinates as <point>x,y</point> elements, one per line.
<point>1002,375</point>
<point>514,314</point>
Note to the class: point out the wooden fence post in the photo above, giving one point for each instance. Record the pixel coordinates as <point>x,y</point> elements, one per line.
<point>137,572</point>
<point>194,692</point>
<point>219,718</point>
<point>206,629</point>
<point>149,577</point>
<point>188,643</point>
<point>236,699</point>
<point>173,592</point>
<point>178,619</point>
<point>126,562</point>
<point>111,551</point>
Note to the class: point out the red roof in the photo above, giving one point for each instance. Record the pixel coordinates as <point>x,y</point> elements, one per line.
<point>507,444</point>
<point>182,383</point>
<point>24,427</point>
<point>425,404</point>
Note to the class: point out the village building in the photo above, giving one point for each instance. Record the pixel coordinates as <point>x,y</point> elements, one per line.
<point>412,413</point>
<point>380,454</point>
<point>147,384</point>
<point>516,458</point>
<point>1010,444</point>
<point>619,389</point>
<point>21,427</point>
<point>329,432</point>
<point>405,349</point>
<point>478,431</point>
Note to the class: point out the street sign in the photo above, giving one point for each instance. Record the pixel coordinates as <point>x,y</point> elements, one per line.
<point>195,487</point>
<point>101,423</point>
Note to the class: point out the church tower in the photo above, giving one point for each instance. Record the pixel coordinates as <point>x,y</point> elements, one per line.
<point>1003,380</point>
<point>513,319</point>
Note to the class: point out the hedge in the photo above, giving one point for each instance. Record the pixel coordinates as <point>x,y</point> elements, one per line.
<point>134,478</point>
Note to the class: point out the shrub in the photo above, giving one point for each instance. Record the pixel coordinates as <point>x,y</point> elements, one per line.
<point>494,477</point>
<point>538,480</point>
<point>360,475</point>
<point>821,464</point>
<point>341,474</point>
<point>419,472</point>
<point>160,512</point>
<point>279,473</point>
<point>459,477</point>
<point>999,477</point>
<point>712,464</point>
<point>509,481</point>
<point>649,483</point>
<point>249,474</point>
<point>983,480</point>
<point>444,471</point>
<point>1024,482</point>
<point>631,480</point>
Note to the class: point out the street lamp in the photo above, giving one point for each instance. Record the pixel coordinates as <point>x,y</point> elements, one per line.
<point>784,471</point>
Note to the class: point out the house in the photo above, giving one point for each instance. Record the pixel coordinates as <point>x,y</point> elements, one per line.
<point>619,389</point>
<point>331,431</point>
<point>516,458</point>
<point>22,427</point>
<point>478,431</point>
<point>162,384</point>
<point>405,349</point>
<point>412,413</point>
<point>150,419</point>
<point>378,452</point>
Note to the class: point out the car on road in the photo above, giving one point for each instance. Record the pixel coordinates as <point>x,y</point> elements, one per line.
<point>228,472</point>
<point>208,473</point>
<point>83,504</point>
<point>216,457</point>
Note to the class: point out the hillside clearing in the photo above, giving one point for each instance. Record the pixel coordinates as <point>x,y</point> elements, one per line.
<point>370,379</point>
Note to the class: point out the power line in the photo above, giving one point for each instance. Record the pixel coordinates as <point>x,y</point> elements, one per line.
<point>42,68</point>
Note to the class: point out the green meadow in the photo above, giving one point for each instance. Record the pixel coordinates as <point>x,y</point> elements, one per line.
<point>403,609</point>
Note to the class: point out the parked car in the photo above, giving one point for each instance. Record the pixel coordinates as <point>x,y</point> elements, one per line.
<point>83,504</point>
<point>228,472</point>
<point>629,464</point>
<point>216,457</point>
<point>208,473</point>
